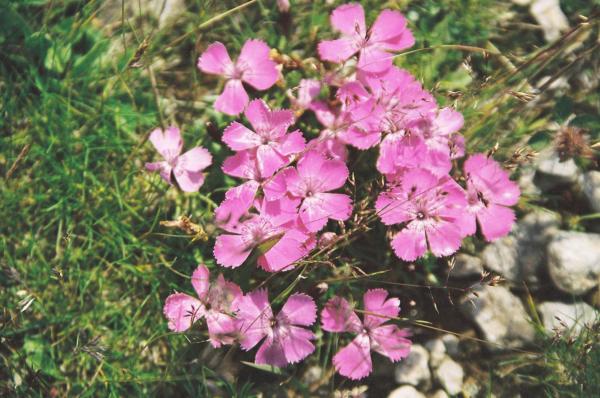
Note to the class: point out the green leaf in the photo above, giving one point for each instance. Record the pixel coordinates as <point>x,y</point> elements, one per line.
<point>265,368</point>
<point>38,356</point>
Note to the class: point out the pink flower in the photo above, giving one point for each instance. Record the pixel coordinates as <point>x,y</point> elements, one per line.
<point>238,200</point>
<point>490,192</point>
<point>285,339</point>
<point>308,91</point>
<point>311,181</point>
<point>388,33</point>
<point>270,142</point>
<point>273,232</point>
<point>373,334</point>
<point>214,303</point>
<point>329,141</point>
<point>186,168</point>
<point>253,66</point>
<point>430,210</point>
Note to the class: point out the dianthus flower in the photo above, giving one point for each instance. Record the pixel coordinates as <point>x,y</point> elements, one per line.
<point>372,334</point>
<point>253,66</point>
<point>286,340</point>
<point>214,303</point>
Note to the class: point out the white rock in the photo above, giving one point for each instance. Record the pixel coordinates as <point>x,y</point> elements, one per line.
<point>437,352</point>
<point>574,316</point>
<point>439,394</point>
<point>591,188</point>
<point>549,15</point>
<point>450,376</point>
<point>500,316</point>
<point>552,173</point>
<point>574,261</point>
<point>520,256</point>
<point>405,392</point>
<point>466,266</point>
<point>451,343</point>
<point>414,370</point>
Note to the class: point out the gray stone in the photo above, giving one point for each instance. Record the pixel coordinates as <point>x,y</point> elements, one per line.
<point>574,261</point>
<point>405,392</point>
<point>437,352</point>
<point>521,255</point>
<point>451,343</point>
<point>450,376</point>
<point>591,189</point>
<point>550,17</point>
<point>552,173</point>
<point>466,266</point>
<point>414,370</point>
<point>573,316</point>
<point>500,316</point>
<point>526,182</point>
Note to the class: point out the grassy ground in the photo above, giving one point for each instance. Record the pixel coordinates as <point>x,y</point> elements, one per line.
<point>84,263</point>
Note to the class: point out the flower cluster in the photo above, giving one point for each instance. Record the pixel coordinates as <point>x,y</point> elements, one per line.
<point>294,185</point>
<point>248,319</point>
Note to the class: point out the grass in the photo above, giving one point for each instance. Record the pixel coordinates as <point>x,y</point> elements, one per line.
<point>84,263</point>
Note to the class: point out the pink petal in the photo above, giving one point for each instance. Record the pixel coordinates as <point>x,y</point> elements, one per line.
<point>254,316</point>
<point>271,352</point>
<point>263,119</point>
<point>337,50</point>
<point>331,174</point>
<point>182,311</point>
<point>444,239</point>
<point>486,174</point>
<point>337,316</point>
<point>201,281</point>
<point>221,328</point>
<point>334,174</point>
<point>299,309</point>
<point>391,341</point>
<point>195,160</point>
<point>392,208</point>
<point>269,161</point>
<point>349,19</point>
<point>448,121</point>
<point>389,29</point>
<point>495,221</point>
<point>238,137</point>
<point>167,143</point>
<point>324,114</point>
<point>289,249</point>
<point>233,99</point>
<point>258,69</point>
<point>317,209</point>
<point>374,59</point>
<point>378,309</point>
<point>409,244</point>
<point>164,168</point>
<point>292,143</point>
<point>354,360</point>
<point>222,295</point>
<point>215,60</point>
<point>276,187</point>
<point>238,201</point>
<point>188,181</point>
<point>241,165</point>
<point>308,90</point>
<point>231,250</point>
<point>296,343</point>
